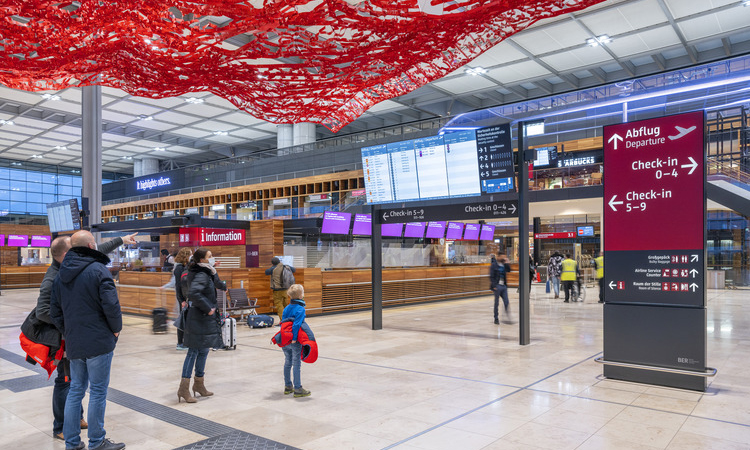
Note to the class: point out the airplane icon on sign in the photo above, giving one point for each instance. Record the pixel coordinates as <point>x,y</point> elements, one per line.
<point>681,132</point>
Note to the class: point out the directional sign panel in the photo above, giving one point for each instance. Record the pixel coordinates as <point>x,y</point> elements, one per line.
<point>468,211</point>
<point>654,210</point>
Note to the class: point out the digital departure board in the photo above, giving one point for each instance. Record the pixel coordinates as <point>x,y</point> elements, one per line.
<point>460,164</point>
<point>63,216</point>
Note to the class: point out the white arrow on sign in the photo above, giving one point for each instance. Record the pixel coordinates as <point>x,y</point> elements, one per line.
<point>694,272</point>
<point>612,285</point>
<point>615,137</point>
<point>693,258</point>
<point>693,287</point>
<point>385,217</point>
<point>692,165</point>
<point>514,208</point>
<point>612,203</point>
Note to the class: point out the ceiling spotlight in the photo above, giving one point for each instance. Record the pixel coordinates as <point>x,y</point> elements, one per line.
<point>595,42</point>
<point>145,117</point>
<point>60,147</point>
<point>52,97</point>
<point>6,122</point>
<point>127,157</point>
<point>160,149</point>
<point>220,133</point>
<point>474,71</point>
<point>37,156</point>
<point>15,164</point>
<point>194,100</point>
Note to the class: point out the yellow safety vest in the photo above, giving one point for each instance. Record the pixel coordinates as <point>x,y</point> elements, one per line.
<point>599,267</point>
<point>568,270</point>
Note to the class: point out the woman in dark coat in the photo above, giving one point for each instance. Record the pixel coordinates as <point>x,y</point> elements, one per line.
<point>202,326</point>
<point>181,263</point>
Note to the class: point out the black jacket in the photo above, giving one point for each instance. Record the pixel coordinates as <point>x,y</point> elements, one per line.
<point>498,273</point>
<point>202,330</point>
<point>179,269</point>
<point>84,304</point>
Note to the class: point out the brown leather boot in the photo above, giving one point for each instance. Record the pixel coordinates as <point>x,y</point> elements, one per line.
<point>200,388</point>
<point>184,391</point>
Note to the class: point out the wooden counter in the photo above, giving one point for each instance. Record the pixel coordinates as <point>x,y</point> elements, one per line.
<point>14,277</point>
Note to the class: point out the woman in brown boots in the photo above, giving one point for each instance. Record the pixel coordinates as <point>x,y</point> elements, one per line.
<point>202,327</point>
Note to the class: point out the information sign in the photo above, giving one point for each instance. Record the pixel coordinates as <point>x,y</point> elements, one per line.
<point>563,235</point>
<point>204,237</point>
<point>466,211</point>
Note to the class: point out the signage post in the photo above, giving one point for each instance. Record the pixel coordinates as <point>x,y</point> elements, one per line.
<point>654,215</point>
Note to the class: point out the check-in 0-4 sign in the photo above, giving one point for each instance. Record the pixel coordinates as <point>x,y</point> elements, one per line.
<point>654,210</point>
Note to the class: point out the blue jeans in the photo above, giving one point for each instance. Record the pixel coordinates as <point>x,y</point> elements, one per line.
<point>195,357</point>
<point>59,396</point>
<point>293,355</point>
<point>500,290</point>
<point>555,280</point>
<point>94,374</point>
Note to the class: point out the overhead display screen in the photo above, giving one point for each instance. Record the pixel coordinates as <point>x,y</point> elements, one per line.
<point>41,241</point>
<point>362,225</point>
<point>336,222</point>
<point>460,164</point>
<point>392,229</point>
<point>545,157</point>
<point>414,230</point>
<point>585,231</point>
<point>2,240</point>
<point>63,216</point>
<point>455,230</point>
<point>487,233</point>
<point>18,240</point>
<point>471,233</point>
<point>435,230</point>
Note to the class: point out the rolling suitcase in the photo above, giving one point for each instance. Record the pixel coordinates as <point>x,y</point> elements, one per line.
<point>259,321</point>
<point>160,320</point>
<point>229,333</point>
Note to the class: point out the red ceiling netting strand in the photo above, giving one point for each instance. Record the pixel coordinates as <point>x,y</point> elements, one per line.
<point>284,61</point>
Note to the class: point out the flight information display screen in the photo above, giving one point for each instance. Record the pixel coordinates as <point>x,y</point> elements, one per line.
<point>414,230</point>
<point>362,225</point>
<point>459,164</point>
<point>63,216</point>
<point>471,233</point>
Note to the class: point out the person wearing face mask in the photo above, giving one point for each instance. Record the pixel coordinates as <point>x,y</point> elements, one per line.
<point>202,324</point>
<point>85,308</point>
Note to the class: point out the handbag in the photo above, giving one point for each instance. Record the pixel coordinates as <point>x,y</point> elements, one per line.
<point>179,322</point>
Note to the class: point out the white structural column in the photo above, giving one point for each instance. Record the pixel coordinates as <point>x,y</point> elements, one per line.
<point>149,166</point>
<point>284,137</point>
<point>137,168</point>
<point>304,133</point>
<point>91,155</point>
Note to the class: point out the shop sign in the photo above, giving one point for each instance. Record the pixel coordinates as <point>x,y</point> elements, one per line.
<point>280,201</point>
<point>148,215</point>
<point>151,183</point>
<point>252,256</point>
<point>192,211</point>
<point>359,193</point>
<point>250,205</point>
<point>169,213</point>
<point>565,235</point>
<point>317,197</point>
<point>218,207</point>
<point>206,237</point>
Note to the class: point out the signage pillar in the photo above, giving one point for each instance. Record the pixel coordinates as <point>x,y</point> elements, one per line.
<point>376,271</point>
<point>654,276</point>
<point>91,154</point>
<point>524,335</point>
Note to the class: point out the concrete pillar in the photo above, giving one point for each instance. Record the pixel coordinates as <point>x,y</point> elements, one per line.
<point>149,166</point>
<point>137,168</point>
<point>304,133</point>
<point>284,137</point>
<point>91,154</point>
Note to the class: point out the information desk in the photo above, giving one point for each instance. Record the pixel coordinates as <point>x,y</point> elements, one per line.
<point>14,277</point>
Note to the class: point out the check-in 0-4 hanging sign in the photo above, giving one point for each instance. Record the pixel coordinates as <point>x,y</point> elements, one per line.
<point>654,210</point>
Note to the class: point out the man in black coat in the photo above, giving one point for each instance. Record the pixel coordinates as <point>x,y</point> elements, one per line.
<point>85,308</point>
<point>59,248</point>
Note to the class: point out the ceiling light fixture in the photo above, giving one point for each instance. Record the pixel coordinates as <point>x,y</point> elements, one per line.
<point>160,149</point>
<point>52,97</point>
<point>474,71</point>
<point>127,157</point>
<point>194,100</point>
<point>145,117</point>
<point>60,147</point>
<point>220,133</point>
<point>6,122</point>
<point>599,40</point>
<point>37,156</point>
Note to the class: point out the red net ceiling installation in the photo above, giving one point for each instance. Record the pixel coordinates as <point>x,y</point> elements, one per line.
<point>284,61</point>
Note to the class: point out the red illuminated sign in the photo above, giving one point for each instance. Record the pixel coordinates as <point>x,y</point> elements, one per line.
<point>652,197</point>
<point>207,237</point>
<point>565,235</point>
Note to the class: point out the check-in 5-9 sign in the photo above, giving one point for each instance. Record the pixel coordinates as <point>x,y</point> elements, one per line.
<point>653,187</point>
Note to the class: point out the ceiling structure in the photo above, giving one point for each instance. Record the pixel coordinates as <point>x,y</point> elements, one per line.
<point>633,38</point>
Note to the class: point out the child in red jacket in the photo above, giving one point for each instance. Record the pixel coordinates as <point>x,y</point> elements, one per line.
<point>294,312</point>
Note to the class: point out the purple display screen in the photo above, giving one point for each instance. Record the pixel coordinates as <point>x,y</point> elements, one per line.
<point>336,222</point>
<point>488,233</point>
<point>415,230</point>
<point>362,224</point>
<point>2,240</point>
<point>18,240</point>
<point>41,241</point>
<point>455,230</point>
<point>435,230</point>
<point>472,232</point>
<point>392,229</point>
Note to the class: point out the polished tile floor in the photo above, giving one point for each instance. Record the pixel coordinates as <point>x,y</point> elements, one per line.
<point>438,376</point>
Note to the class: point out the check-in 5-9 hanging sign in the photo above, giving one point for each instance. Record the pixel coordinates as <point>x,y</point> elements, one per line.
<point>654,210</point>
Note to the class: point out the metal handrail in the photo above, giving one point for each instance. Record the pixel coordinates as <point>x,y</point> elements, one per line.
<point>732,172</point>
<point>709,372</point>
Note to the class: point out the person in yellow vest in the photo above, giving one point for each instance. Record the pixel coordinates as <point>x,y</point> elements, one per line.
<point>599,264</point>
<point>569,275</point>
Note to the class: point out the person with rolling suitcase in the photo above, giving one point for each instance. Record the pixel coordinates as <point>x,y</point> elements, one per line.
<point>202,328</point>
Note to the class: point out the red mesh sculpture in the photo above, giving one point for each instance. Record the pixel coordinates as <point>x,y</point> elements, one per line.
<point>285,61</point>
